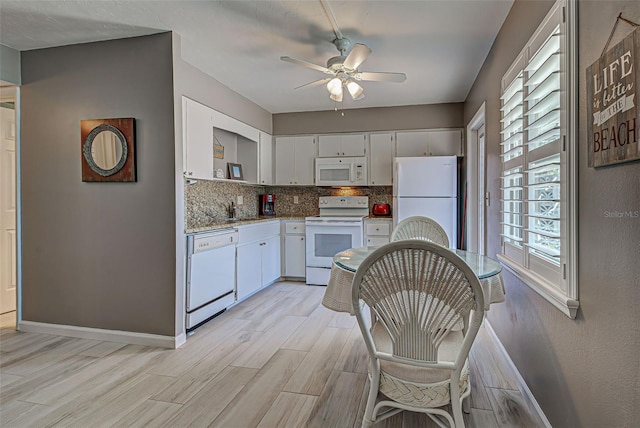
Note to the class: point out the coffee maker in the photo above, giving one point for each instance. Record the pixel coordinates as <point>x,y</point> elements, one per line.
<point>267,204</point>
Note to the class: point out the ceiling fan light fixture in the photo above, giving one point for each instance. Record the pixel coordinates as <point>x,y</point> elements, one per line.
<point>335,86</point>
<point>336,97</point>
<point>355,90</point>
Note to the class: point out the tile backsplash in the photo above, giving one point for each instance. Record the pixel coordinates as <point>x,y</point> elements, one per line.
<point>207,202</point>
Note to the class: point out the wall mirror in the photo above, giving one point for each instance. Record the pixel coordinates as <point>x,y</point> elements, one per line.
<point>108,150</point>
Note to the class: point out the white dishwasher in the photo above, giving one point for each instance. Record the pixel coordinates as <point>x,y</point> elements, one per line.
<point>211,274</point>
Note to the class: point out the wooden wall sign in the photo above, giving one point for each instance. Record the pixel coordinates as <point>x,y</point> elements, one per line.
<point>613,116</point>
<point>218,151</point>
<point>108,149</point>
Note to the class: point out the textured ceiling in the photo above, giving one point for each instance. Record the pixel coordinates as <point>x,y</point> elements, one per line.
<point>440,45</point>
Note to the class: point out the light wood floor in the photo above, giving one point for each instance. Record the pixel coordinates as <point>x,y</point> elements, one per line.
<point>279,359</point>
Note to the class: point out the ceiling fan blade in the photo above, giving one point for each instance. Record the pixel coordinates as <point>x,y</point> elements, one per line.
<point>357,56</point>
<point>306,64</point>
<point>312,84</point>
<point>381,77</point>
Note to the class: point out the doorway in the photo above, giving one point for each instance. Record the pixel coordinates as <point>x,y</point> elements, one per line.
<point>8,176</point>
<point>476,182</point>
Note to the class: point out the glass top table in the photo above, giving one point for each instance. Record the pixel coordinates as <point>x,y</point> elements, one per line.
<point>338,293</point>
<point>484,267</point>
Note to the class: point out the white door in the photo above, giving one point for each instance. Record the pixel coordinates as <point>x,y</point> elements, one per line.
<point>481,192</point>
<point>329,146</point>
<point>249,269</point>
<point>8,266</point>
<point>445,143</point>
<point>294,252</point>
<point>199,140</point>
<point>409,144</point>
<point>381,159</point>
<point>442,210</point>
<point>353,145</point>
<point>266,158</point>
<point>325,241</point>
<point>305,154</point>
<point>211,276</point>
<point>475,202</point>
<point>270,260</point>
<point>285,160</point>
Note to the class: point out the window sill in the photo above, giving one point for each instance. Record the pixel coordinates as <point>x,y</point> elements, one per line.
<point>557,298</point>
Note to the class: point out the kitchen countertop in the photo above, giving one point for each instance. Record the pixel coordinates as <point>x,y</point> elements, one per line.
<point>243,222</point>
<point>240,222</point>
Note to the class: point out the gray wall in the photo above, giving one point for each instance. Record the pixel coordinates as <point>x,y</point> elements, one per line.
<point>9,65</point>
<point>98,254</point>
<point>370,119</point>
<point>583,372</point>
<point>193,83</point>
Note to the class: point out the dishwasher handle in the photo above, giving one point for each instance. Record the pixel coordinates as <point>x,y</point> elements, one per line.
<point>210,242</point>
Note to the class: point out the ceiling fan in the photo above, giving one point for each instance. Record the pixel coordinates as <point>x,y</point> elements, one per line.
<point>343,70</point>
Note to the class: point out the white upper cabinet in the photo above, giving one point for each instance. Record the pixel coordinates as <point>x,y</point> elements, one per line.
<point>198,140</point>
<point>266,158</point>
<point>295,160</point>
<point>381,153</point>
<point>352,145</point>
<point>446,142</point>
<point>412,143</point>
<point>285,158</point>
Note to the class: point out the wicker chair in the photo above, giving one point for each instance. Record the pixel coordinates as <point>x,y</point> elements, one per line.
<point>418,227</point>
<point>428,306</point>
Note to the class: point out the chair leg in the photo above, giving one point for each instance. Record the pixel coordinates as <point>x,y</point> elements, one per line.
<point>466,404</point>
<point>368,417</point>
<point>456,407</point>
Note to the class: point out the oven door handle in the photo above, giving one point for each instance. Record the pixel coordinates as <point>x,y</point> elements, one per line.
<point>327,223</point>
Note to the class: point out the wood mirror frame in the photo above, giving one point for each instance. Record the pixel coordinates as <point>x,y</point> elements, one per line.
<point>124,169</point>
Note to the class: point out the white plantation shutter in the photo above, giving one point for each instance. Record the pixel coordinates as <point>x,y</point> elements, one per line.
<point>535,183</point>
<point>512,143</point>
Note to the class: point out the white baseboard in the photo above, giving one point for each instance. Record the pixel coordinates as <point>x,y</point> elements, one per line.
<point>521,381</point>
<point>129,337</point>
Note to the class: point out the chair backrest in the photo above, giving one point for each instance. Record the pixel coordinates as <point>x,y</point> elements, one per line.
<point>419,227</point>
<point>419,291</point>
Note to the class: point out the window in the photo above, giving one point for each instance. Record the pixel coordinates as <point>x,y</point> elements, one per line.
<point>538,134</point>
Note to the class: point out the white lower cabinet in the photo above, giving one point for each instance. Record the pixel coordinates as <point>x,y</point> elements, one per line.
<point>257,257</point>
<point>248,271</point>
<point>294,249</point>
<point>377,232</point>
<point>271,260</point>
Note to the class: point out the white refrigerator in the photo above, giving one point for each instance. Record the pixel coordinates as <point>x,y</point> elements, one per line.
<point>427,186</point>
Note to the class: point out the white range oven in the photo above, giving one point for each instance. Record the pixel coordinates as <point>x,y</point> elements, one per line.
<point>339,226</point>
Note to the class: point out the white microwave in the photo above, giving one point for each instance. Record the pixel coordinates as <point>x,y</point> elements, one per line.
<point>341,171</point>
